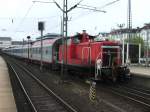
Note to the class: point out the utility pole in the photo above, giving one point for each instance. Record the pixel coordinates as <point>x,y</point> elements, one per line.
<point>129,27</point>
<point>129,21</point>
<point>122,36</point>
<point>64,34</point>
<point>65,11</point>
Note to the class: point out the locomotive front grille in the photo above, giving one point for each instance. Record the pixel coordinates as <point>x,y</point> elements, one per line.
<point>109,55</point>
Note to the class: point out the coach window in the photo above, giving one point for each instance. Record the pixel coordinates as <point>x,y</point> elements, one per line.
<point>32,50</point>
<point>46,50</point>
<point>39,50</point>
<point>35,50</point>
<point>49,50</point>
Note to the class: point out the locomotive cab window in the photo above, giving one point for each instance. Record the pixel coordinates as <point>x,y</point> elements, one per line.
<point>110,54</point>
<point>75,40</point>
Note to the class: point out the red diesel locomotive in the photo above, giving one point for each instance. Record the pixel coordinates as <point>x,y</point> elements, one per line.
<point>101,58</point>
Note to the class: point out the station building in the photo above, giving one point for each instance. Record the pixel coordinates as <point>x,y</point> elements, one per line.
<point>16,43</point>
<point>5,42</point>
<point>143,32</point>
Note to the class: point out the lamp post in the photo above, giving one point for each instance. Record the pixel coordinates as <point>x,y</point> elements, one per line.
<point>28,37</point>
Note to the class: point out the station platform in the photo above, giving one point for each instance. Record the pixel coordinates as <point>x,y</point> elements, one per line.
<point>7,102</point>
<point>140,70</point>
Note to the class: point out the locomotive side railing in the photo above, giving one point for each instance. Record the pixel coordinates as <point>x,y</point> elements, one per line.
<point>98,65</point>
<point>101,63</point>
<point>110,57</point>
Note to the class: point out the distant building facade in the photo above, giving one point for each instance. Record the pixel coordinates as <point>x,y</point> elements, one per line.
<point>5,42</point>
<point>145,33</point>
<point>117,34</point>
<point>16,43</point>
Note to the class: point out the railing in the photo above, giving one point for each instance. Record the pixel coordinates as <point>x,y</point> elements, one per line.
<point>98,65</point>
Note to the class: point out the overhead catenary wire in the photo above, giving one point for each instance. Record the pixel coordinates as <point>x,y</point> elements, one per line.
<point>97,8</point>
<point>108,4</point>
<point>94,8</point>
<point>26,14</point>
<point>58,5</point>
<point>78,5</point>
<point>42,2</point>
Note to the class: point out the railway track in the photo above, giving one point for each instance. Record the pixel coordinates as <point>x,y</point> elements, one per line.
<point>132,93</point>
<point>138,88</point>
<point>136,94</point>
<point>40,97</point>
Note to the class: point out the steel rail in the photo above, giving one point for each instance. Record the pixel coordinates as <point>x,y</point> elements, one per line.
<point>48,89</point>
<point>117,92</point>
<point>23,88</point>
<point>136,90</point>
<point>131,93</point>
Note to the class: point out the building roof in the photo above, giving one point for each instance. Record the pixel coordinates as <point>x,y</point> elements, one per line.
<point>126,30</point>
<point>5,38</point>
<point>49,36</point>
<point>17,43</point>
<point>146,26</point>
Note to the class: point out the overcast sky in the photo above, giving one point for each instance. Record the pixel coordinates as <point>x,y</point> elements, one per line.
<point>19,18</point>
